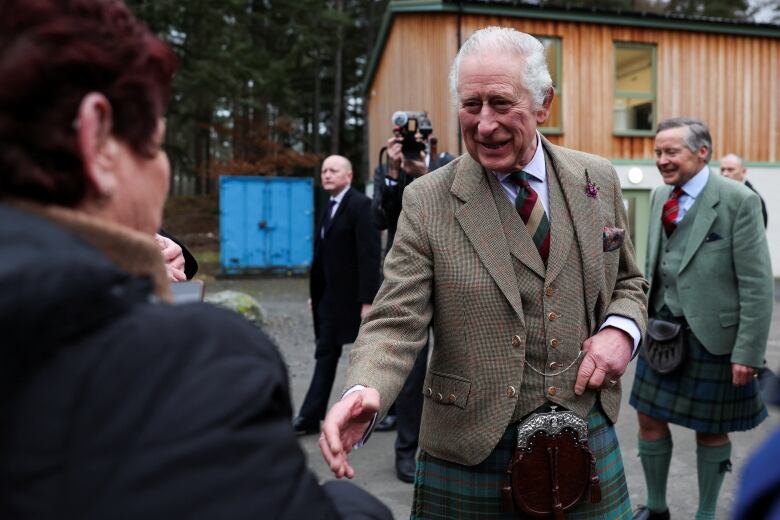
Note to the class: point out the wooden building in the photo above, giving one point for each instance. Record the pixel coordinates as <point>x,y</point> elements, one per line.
<point>616,76</point>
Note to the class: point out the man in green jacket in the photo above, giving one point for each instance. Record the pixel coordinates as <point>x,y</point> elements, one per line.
<point>709,270</point>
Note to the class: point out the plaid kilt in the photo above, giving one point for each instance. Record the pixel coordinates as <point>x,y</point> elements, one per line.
<point>444,490</point>
<point>699,395</point>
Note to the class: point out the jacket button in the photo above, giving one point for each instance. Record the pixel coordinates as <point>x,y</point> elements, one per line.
<point>552,316</point>
<point>439,397</point>
<point>549,292</point>
<point>511,392</point>
<point>552,390</point>
<point>428,391</point>
<point>554,343</point>
<point>516,341</point>
<point>451,398</point>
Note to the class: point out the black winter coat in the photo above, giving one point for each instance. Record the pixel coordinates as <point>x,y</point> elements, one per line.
<point>345,270</point>
<point>115,406</point>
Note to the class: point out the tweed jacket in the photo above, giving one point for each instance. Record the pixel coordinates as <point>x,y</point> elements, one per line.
<point>724,282</point>
<point>451,264</point>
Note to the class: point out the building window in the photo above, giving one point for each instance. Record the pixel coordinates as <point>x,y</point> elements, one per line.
<point>552,47</point>
<point>633,112</point>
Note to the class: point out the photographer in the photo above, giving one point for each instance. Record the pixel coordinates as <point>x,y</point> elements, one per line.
<point>410,153</point>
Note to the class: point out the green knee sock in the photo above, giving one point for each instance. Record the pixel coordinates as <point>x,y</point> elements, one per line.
<point>655,457</point>
<point>712,463</point>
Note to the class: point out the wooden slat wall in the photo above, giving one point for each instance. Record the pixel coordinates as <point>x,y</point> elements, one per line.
<point>730,82</point>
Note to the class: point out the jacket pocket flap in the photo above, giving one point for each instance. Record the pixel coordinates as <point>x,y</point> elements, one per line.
<point>662,330</point>
<point>448,389</point>
<point>729,318</point>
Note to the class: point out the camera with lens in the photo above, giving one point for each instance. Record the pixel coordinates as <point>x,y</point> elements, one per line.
<point>406,124</point>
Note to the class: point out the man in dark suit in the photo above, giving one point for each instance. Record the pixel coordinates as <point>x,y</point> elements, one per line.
<point>390,180</point>
<point>733,167</point>
<point>344,280</point>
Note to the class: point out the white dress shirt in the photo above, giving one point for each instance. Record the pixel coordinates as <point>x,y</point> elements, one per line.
<point>691,190</point>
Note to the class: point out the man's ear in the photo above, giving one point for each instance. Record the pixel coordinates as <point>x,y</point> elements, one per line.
<point>97,146</point>
<point>544,112</point>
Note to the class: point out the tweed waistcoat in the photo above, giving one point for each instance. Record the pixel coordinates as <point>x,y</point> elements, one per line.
<point>670,255</point>
<point>553,339</point>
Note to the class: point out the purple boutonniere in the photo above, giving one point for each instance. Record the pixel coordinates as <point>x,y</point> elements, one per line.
<point>591,190</point>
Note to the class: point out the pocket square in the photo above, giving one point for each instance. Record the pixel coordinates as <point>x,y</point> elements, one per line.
<point>712,237</point>
<point>613,238</point>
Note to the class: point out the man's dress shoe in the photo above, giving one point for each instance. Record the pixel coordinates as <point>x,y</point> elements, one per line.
<point>405,468</point>
<point>304,426</point>
<point>387,424</point>
<point>643,513</point>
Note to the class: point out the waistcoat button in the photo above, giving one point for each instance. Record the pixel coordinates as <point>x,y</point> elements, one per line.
<point>511,392</point>
<point>552,390</point>
<point>552,316</point>
<point>554,343</point>
<point>516,341</point>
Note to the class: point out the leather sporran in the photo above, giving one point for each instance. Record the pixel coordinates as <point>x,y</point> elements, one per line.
<point>664,348</point>
<point>553,468</point>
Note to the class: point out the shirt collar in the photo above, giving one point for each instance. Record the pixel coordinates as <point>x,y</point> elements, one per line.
<point>693,187</point>
<point>340,194</point>
<point>535,168</point>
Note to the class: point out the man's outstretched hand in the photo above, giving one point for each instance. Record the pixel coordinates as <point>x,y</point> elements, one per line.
<point>344,426</point>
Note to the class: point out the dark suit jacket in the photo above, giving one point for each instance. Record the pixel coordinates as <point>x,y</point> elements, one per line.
<point>345,270</point>
<point>386,205</point>
<point>763,204</point>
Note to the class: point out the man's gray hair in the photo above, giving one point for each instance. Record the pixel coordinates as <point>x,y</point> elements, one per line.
<point>534,76</point>
<point>698,133</point>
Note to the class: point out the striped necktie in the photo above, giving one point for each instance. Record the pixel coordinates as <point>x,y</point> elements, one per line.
<point>671,210</point>
<point>531,210</point>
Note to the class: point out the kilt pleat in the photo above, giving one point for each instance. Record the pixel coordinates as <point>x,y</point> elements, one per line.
<point>699,395</point>
<point>445,490</point>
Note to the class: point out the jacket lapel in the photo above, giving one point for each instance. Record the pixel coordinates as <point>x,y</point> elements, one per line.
<point>705,216</point>
<point>339,210</point>
<point>654,234</point>
<point>561,232</point>
<point>480,221</point>
<point>586,220</point>
<point>521,245</point>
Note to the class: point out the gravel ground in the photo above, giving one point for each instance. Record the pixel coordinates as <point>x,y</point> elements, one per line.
<point>289,323</point>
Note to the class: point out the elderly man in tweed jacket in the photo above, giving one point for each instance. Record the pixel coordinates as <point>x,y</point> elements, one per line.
<point>514,252</point>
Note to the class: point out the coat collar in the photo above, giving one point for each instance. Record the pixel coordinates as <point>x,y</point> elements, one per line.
<point>135,252</point>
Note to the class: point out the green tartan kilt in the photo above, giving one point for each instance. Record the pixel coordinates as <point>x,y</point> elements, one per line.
<point>444,490</point>
<point>699,395</point>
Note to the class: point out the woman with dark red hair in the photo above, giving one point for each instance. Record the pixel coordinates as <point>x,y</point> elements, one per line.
<point>114,404</point>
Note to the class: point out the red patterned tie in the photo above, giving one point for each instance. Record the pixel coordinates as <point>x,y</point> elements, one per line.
<point>532,212</point>
<point>671,209</point>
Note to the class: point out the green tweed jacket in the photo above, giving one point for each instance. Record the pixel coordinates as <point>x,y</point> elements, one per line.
<point>725,282</point>
<point>451,265</point>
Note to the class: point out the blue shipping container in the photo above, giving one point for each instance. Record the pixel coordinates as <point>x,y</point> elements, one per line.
<point>265,223</point>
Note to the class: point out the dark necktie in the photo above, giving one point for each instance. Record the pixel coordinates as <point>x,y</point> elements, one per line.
<point>671,210</point>
<point>327,218</point>
<point>532,212</point>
